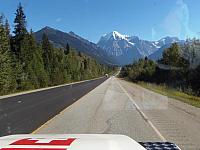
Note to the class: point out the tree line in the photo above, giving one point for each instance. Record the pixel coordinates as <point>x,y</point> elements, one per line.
<point>178,68</point>
<point>25,64</point>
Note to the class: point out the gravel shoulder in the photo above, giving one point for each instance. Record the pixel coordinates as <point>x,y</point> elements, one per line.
<point>178,122</point>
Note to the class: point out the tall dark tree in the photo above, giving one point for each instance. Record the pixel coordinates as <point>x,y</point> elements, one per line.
<point>85,64</point>
<point>67,49</point>
<point>20,22</point>
<point>19,30</point>
<point>79,54</point>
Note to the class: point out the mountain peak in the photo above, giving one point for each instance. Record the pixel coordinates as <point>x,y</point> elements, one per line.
<point>72,33</point>
<point>47,28</point>
<point>169,39</point>
<point>59,39</point>
<point>114,35</point>
<point>117,35</point>
<point>132,47</point>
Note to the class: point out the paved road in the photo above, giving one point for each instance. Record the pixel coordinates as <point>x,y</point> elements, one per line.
<point>120,107</point>
<point>25,113</point>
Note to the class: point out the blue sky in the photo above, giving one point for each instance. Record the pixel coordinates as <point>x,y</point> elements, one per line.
<point>148,19</point>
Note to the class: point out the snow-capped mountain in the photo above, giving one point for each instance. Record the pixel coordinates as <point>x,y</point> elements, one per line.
<point>113,48</point>
<point>115,43</point>
<point>126,48</point>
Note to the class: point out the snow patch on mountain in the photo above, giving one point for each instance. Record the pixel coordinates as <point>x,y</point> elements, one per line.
<point>131,43</point>
<point>114,35</point>
<point>155,44</point>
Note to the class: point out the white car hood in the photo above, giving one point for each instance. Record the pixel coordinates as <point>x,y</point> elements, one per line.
<point>69,142</point>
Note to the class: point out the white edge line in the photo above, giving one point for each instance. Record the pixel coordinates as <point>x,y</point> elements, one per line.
<point>43,89</point>
<point>143,114</point>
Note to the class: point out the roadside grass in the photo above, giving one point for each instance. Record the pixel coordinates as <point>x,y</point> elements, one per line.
<point>172,93</point>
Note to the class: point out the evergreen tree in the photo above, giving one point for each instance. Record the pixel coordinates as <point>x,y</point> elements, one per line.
<point>79,54</point>
<point>37,63</point>
<point>7,28</point>
<point>34,72</point>
<point>7,82</point>
<point>172,57</point>
<point>20,22</point>
<point>19,30</point>
<point>189,51</point>
<point>57,74</point>
<point>25,65</point>
<point>195,80</point>
<point>85,64</point>
<point>67,49</point>
<point>47,55</point>
<point>18,48</point>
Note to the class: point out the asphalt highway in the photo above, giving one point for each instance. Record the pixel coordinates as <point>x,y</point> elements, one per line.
<point>120,107</point>
<point>25,113</point>
<point>112,106</point>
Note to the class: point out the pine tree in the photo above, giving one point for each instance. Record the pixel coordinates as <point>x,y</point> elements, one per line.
<point>35,66</point>
<point>20,22</point>
<point>19,30</point>
<point>7,82</point>
<point>57,73</point>
<point>47,55</point>
<point>79,54</point>
<point>195,80</point>
<point>172,56</point>
<point>67,49</point>
<point>7,28</point>
<point>85,64</point>
<point>17,47</point>
<point>190,53</point>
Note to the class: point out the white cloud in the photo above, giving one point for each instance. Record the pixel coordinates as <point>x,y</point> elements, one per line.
<point>176,23</point>
<point>58,19</point>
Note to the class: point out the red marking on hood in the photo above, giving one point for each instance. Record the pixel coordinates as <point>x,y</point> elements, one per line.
<point>29,141</point>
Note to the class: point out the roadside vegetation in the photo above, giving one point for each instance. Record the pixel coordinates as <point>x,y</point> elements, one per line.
<point>176,74</point>
<point>26,65</point>
<point>172,93</point>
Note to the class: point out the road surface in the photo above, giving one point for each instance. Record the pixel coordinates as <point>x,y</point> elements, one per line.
<point>25,113</point>
<point>121,107</point>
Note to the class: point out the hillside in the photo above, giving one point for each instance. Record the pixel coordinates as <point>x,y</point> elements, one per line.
<point>60,39</point>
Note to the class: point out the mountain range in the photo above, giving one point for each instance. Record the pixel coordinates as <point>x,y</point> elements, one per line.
<point>126,48</point>
<point>112,48</point>
<point>61,39</point>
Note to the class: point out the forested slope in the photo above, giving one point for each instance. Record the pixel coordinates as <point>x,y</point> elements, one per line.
<point>25,64</point>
